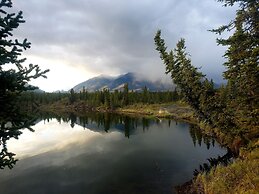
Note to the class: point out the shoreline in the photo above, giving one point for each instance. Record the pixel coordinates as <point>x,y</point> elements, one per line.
<point>177,111</point>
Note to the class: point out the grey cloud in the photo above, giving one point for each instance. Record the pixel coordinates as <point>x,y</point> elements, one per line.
<point>117,36</point>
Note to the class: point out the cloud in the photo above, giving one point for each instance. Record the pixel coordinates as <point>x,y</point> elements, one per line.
<point>113,37</point>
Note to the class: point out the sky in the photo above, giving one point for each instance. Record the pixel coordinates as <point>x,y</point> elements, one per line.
<point>81,39</point>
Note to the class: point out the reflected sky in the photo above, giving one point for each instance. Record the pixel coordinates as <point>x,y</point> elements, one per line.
<point>59,159</point>
<point>49,136</point>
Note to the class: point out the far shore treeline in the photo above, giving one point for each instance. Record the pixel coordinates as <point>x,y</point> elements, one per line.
<point>106,98</point>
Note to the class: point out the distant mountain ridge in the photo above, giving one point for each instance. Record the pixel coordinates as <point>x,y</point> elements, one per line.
<point>117,83</point>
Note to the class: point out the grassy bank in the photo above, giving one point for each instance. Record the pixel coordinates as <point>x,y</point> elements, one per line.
<point>240,177</point>
<point>175,110</point>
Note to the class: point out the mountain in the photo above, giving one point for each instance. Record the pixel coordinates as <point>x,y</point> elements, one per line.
<point>61,91</point>
<point>38,91</point>
<point>94,84</point>
<point>117,83</point>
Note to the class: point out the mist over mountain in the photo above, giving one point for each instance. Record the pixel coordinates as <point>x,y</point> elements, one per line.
<point>134,81</point>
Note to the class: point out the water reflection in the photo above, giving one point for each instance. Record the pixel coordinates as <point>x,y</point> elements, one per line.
<point>198,137</point>
<point>12,123</point>
<point>104,122</point>
<point>105,153</point>
<point>49,136</point>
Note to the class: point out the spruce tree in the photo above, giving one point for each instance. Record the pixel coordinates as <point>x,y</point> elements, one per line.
<point>242,60</point>
<point>72,97</point>
<point>145,95</point>
<point>125,100</point>
<point>186,76</point>
<point>235,106</point>
<point>13,80</point>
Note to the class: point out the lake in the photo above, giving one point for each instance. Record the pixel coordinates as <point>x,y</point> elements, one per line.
<point>105,154</point>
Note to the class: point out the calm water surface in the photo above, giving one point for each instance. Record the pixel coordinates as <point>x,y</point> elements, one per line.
<point>105,154</point>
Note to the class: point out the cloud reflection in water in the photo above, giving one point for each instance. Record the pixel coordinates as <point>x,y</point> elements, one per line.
<point>49,136</point>
<point>77,160</point>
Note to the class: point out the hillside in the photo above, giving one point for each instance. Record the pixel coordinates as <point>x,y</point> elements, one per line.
<point>117,83</point>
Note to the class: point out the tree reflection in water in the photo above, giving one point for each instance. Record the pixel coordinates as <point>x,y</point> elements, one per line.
<point>199,137</point>
<point>103,122</point>
<point>12,123</point>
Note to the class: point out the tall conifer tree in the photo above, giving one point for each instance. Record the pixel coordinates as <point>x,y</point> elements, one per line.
<point>243,60</point>
<point>13,80</point>
<point>241,108</point>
